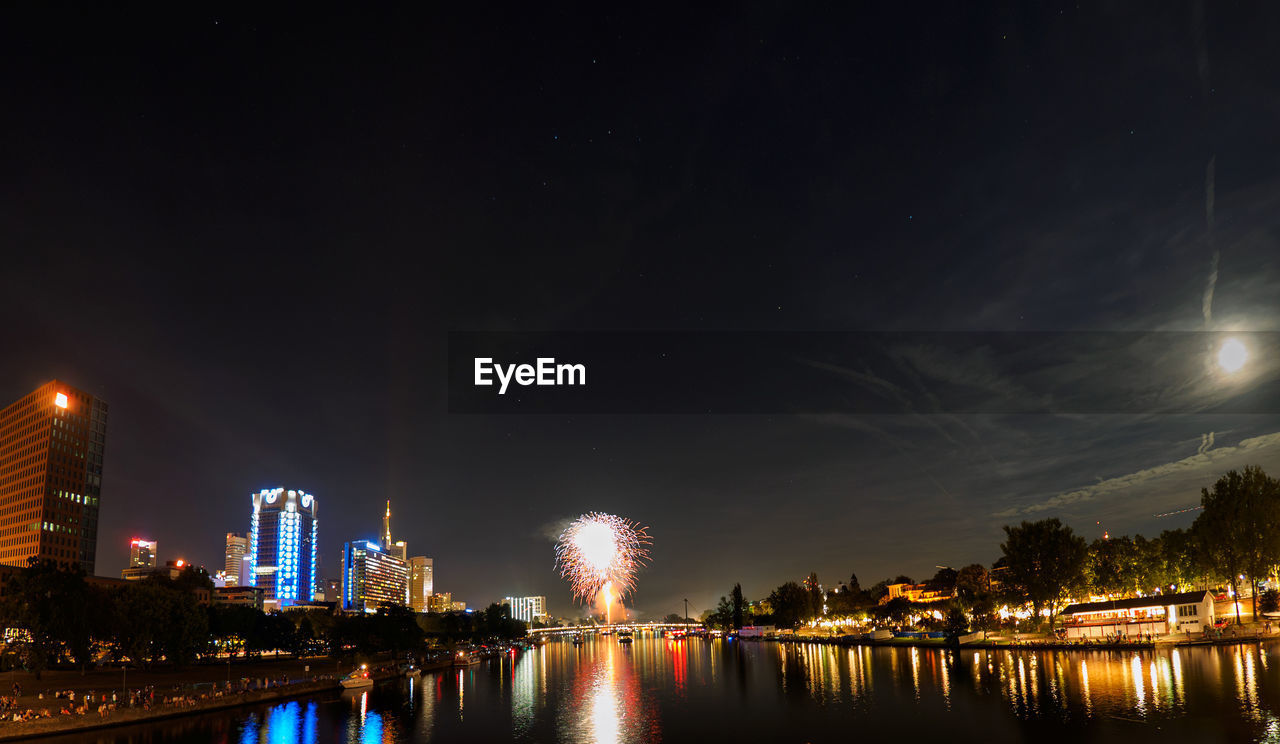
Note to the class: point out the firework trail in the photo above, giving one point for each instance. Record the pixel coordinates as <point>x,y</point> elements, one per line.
<point>601,553</point>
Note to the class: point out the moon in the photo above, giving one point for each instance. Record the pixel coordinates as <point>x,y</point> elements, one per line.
<point>1232,355</point>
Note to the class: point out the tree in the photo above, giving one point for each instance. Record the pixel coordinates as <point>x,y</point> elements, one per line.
<point>739,604</point>
<point>896,610</point>
<point>945,578</point>
<point>1111,566</point>
<point>1045,563</point>
<point>38,599</point>
<point>1235,530</point>
<point>789,602</point>
<point>721,617</point>
<point>972,582</point>
<point>956,624</point>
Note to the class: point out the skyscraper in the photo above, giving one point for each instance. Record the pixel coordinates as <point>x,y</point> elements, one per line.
<point>399,548</point>
<point>142,553</point>
<point>372,577</point>
<point>237,549</point>
<point>282,546</point>
<point>421,582</point>
<point>51,444</point>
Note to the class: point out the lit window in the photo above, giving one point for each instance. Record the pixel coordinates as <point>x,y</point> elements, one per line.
<point>60,400</point>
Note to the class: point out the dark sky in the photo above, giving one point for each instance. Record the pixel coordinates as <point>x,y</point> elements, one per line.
<point>250,233</point>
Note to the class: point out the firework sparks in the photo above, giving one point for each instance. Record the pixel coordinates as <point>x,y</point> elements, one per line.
<point>601,553</point>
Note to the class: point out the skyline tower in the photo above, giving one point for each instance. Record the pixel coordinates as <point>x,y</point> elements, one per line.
<point>233,562</point>
<point>399,548</point>
<point>421,582</point>
<point>282,546</point>
<point>51,447</point>
<point>142,553</point>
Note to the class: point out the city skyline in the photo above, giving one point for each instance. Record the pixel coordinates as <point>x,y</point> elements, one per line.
<point>263,286</point>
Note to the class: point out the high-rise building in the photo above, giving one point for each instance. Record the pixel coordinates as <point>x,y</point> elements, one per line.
<point>421,582</point>
<point>282,546</point>
<point>440,602</point>
<point>237,549</point>
<point>142,553</point>
<point>372,577</point>
<point>528,609</point>
<point>399,548</point>
<point>51,444</point>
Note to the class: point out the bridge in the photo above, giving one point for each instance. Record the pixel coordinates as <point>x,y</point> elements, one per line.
<point>613,628</point>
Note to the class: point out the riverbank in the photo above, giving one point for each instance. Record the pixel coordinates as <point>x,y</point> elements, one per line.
<point>173,693</point>
<point>1031,642</point>
<point>66,724</point>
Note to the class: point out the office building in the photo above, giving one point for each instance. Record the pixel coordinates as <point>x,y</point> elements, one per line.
<point>245,596</point>
<point>142,553</point>
<point>51,445</point>
<point>372,577</point>
<point>528,609</point>
<point>237,549</point>
<point>440,602</point>
<point>421,581</point>
<point>282,546</point>
<point>398,548</point>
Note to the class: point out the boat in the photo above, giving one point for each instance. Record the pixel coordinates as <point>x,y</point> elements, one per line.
<point>578,640</point>
<point>358,679</point>
<point>625,636</point>
<point>466,659</point>
<point>410,670</point>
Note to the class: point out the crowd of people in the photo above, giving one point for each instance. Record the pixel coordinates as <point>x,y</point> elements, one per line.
<point>72,703</point>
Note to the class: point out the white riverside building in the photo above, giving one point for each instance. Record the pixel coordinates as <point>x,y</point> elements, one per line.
<point>1160,614</point>
<point>527,609</point>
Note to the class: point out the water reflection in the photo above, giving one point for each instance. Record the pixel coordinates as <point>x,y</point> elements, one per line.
<point>662,690</point>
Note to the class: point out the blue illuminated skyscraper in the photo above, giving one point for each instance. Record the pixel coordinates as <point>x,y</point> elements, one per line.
<point>282,546</point>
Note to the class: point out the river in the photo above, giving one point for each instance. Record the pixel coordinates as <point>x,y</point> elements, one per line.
<point>660,690</point>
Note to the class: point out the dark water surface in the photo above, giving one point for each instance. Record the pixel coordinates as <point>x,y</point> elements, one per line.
<point>658,690</point>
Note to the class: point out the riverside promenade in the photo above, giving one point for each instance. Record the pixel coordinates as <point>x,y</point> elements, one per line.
<point>45,707</point>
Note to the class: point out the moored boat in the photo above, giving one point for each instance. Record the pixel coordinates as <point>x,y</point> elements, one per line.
<point>356,680</point>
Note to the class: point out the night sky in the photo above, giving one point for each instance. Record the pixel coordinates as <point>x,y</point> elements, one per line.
<point>252,233</point>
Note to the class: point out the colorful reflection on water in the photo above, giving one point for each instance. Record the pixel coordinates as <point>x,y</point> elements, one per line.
<point>658,689</point>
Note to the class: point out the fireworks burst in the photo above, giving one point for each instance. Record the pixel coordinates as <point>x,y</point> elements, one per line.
<point>600,552</point>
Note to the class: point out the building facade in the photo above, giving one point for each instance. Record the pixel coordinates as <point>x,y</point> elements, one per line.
<point>421,581</point>
<point>440,602</point>
<point>236,551</point>
<point>1160,614</point>
<point>282,546</point>
<point>372,577</point>
<point>142,553</point>
<point>245,596</point>
<point>528,609</point>
<point>51,447</point>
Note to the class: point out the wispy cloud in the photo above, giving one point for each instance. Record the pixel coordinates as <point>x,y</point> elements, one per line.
<point>1206,465</point>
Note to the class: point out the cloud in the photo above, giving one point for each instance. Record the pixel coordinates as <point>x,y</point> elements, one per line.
<point>1205,465</point>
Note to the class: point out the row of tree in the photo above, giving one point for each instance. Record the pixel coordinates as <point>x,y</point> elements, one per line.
<point>63,617</point>
<point>1044,564</point>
